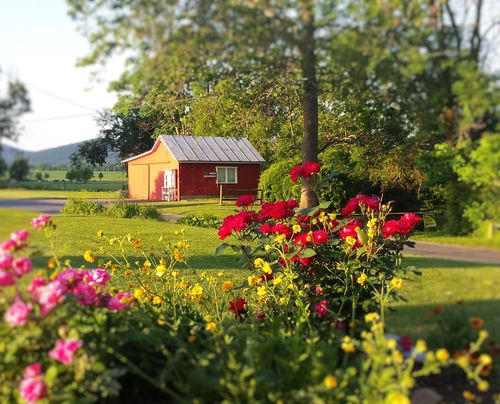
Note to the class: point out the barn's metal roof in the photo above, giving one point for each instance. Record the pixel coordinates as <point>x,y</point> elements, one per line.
<point>212,149</point>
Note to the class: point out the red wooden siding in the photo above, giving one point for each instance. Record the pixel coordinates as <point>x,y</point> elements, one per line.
<point>193,183</point>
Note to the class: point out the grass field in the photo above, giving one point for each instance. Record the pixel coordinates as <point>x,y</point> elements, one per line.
<point>443,283</point>
<point>437,237</point>
<point>18,193</point>
<point>61,175</point>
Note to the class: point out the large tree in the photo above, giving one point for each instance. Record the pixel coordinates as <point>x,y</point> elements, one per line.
<point>13,103</point>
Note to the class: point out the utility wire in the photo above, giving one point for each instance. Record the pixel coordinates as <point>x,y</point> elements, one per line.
<point>59,98</point>
<point>58,118</point>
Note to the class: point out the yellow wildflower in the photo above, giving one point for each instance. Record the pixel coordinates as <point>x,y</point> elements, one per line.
<point>253,280</point>
<point>372,317</point>
<point>398,357</point>
<point>397,283</point>
<point>330,382</point>
<point>278,280</point>
<point>397,398</point>
<point>100,233</point>
<point>314,221</point>
<point>485,359</point>
<point>296,228</point>
<point>347,344</point>
<point>177,255</point>
<point>196,293</point>
<point>52,263</point>
<point>266,268</point>
<point>227,285</point>
<point>146,265</point>
<point>89,256</point>
<point>139,293</point>
<point>211,326</point>
<point>483,334</point>
<point>350,240</point>
<point>442,355</point>
<point>332,216</point>
<point>391,343</point>
<point>483,386</point>
<point>157,300</point>
<point>175,274</point>
<point>362,279</point>
<point>430,357</point>
<point>267,247</point>
<point>469,395</point>
<point>463,361</point>
<point>282,300</point>
<point>280,238</point>
<point>160,270</point>
<point>420,346</point>
<point>219,274</point>
<point>258,262</point>
<point>261,291</point>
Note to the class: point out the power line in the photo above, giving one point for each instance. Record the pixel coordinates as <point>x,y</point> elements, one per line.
<point>58,118</point>
<point>59,98</point>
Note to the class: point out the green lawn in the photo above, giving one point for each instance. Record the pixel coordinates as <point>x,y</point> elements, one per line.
<point>18,193</point>
<point>443,283</point>
<point>470,241</point>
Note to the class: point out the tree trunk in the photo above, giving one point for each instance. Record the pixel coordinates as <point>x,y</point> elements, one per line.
<point>308,196</point>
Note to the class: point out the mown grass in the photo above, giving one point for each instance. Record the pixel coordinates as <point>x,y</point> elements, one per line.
<point>468,241</point>
<point>61,175</point>
<point>18,193</point>
<point>475,287</point>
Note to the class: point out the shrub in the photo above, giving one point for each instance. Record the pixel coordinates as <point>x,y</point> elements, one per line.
<point>206,220</point>
<point>276,182</point>
<point>149,212</point>
<point>83,207</point>
<point>123,210</point>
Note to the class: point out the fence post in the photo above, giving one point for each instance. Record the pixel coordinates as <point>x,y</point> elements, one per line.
<point>220,195</point>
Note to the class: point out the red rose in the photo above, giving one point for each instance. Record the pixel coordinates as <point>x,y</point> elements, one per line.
<point>238,306</point>
<point>320,237</point>
<point>265,228</point>
<point>296,172</point>
<point>353,204</point>
<point>311,168</point>
<point>245,200</point>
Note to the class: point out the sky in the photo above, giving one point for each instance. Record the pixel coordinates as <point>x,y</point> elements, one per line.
<point>39,46</point>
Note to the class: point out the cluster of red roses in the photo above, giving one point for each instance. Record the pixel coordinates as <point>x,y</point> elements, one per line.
<point>403,226</point>
<point>305,170</point>
<point>245,200</point>
<point>244,218</point>
<point>369,202</point>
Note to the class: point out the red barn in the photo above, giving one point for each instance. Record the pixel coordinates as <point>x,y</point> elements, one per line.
<point>180,167</point>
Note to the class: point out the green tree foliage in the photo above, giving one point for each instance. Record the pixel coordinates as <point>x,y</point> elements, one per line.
<point>15,103</point>
<point>19,169</point>
<point>80,173</point>
<point>3,167</point>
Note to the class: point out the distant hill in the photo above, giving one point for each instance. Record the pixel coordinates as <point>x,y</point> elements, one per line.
<point>53,156</point>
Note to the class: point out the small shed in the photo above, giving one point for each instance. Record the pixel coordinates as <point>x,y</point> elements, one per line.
<point>180,167</point>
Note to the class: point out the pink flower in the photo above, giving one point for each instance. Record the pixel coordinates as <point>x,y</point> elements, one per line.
<point>65,350</point>
<point>21,266</point>
<point>319,290</point>
<point>245,200</point>
<point>20,237</point>
<point>32,387</point>
<point>8,245</point>
<point>6,278</point>
<point>34,286</point>
<point>17,313</point>
<point>120,301</point>
<point>49,296</point>
<point>6,261</point>
<point>321,309</point>
<point>41,221</point>
<point>406,343</point>
<point>97,277</point>
<point>70,278</point>
<point>87,294</point>
<point>33,370</point>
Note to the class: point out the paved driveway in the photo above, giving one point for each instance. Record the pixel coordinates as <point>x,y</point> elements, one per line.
<point>49,206</point>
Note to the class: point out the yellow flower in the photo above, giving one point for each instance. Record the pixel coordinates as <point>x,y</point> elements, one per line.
<point>372,317</point>
<point>211,326</point>
<point>442,355</point>
<point>397,283</point>
<point>175,274</point>
<point>463,361</point>
<point>430,357</point>
<point>139,293</point>
<point>278,280</point>
<point>196,293</point>
<point>146,265</point>
<point>100,233</point>
<point>157,300</point>
<point>89,256</point>
<point>362,279</point>
<point>397,398</point>
<point>296,228</point>
<point>227,285</point>
<point>280,238</point>
<point>258,262</point>
<point>483,334</point>
<point>160,270</point>
<point>253,280</point>
<point>483,386</point>
<point>261,290</point>
<point>177,255</point>
<point>391,343</point>
<point>485,359</point>
<point>332,216</point>
<point>266,268</point>
<point>282,300</point>
<point>350,240</point>
<point>267,247</point>
<point>420,346</point>
<point>52,263</point>
<point>347,344</point>
<point>330,382</point>
<point>469,395</point>
<point>398,357</point>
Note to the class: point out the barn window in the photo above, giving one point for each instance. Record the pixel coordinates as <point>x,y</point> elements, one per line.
<point>227,175</point>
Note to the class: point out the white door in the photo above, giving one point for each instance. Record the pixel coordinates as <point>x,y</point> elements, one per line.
<point>168,191</point>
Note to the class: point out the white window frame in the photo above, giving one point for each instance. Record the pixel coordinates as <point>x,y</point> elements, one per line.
<point>225,168</point>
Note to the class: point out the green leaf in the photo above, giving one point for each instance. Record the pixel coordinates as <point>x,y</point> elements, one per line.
<point>51,375</point>
<point>220,249</point>
<point>307,253</point>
